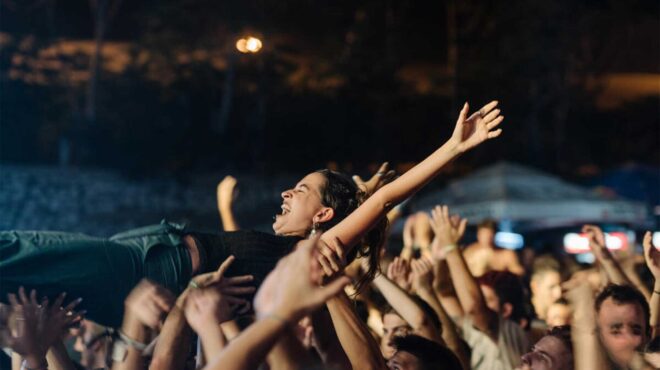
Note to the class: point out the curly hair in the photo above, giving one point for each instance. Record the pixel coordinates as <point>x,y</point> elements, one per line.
<point>342,195</point>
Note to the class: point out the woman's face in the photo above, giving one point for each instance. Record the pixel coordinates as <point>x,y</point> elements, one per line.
<point>301,207</point>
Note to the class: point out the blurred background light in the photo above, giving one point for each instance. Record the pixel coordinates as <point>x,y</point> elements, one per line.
<point>509,240</point>
<point>249,44</point>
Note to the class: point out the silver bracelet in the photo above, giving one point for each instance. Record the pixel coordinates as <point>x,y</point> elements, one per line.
<point>25,367</point>
<point>131,342</point>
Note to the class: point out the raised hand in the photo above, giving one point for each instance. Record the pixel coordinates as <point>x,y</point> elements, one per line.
<point>408,236</point>
<point>227,285</point>
<point>226,191</point>
<point>209,307</point>
<point>651,255</point>
<point>479,127</point>
<point>448,230</point>
<point>331,257</point>
<point>38,325</point>
<point>597,242</point>
<point>291,290</point>
<point>380,178</point>
<point>399,272</point>
<point>422,274</point>
<point>148,303</point>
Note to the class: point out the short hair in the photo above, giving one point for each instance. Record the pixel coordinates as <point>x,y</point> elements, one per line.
<point>509,289</point>
<point>563,333</point>
<point>487,223</point>
<point>545,263</point>
<point>431,355</point>
<point>624,294</point>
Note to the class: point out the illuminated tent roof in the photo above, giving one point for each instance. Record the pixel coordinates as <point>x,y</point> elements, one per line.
<point>507,191</point>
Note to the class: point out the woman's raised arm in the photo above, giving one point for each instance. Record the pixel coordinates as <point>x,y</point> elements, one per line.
<point>468,133</point>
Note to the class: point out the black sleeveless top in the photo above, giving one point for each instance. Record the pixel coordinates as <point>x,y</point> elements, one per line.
<point>256,253</point>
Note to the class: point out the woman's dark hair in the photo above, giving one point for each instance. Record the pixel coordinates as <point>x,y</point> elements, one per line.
<point>509,289</point>
<point>342,195</point>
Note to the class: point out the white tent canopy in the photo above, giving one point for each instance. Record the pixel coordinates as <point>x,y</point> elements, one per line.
<point>507,191</point>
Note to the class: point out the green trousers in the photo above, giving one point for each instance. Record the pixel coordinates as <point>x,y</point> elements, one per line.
<point>99,270</point>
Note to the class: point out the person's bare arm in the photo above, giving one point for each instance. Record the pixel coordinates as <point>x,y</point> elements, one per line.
<point>588,353</point>
<point>611,267</point>
<point>442,284</point>
<point>326,342</point>
<point>423,234</point>
<point>443,287</point>
<point>408,239</point>
<point>288,293</point>
<point>652,257</point>
<point>406,307</point>
<point>362,350</point>
<point>58,358</point>
<point>225,198</point>
<point>513,263</point>
<point>144,307</point>
<point>288,353</point>
<point>449,232</point>
<point>468,133</point>
<point>422,283</point>
<point>174,340</point>
<point>176,335</point>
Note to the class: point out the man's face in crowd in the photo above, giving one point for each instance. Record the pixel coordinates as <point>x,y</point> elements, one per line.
<point>403,360</point>
<point>393,325</point>
<point>546,288</point>
<point>549,353</point>
<point>558,315</point>
<point>622,329</point>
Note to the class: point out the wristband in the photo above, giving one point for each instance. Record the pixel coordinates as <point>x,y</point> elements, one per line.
<point>131,342</point>
<point>25,367</point>
<point>193,284</point>
<point>448,248</point>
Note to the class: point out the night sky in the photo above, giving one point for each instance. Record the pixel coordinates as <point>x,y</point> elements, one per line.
<point>352,83</point>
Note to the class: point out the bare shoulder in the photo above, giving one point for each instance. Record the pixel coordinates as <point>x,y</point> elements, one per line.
<point>470,248</point>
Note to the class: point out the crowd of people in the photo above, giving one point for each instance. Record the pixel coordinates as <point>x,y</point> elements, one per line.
<point>324,292</point>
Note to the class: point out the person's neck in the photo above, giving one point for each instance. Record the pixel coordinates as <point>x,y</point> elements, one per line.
<point>486,245</point>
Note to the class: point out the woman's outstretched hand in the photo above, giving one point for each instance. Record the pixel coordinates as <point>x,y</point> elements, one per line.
<point>479,127</point>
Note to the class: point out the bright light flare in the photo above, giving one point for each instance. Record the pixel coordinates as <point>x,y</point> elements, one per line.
<point>249,45</point>
<point>575,243</point>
